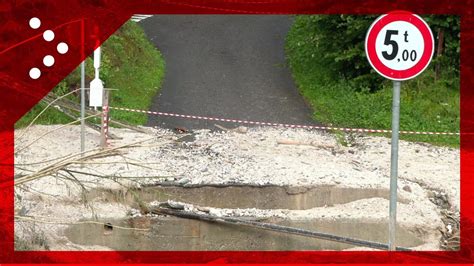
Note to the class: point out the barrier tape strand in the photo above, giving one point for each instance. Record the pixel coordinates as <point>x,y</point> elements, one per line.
<point>249,122</point>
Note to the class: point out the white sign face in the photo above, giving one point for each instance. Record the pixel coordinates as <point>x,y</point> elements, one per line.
<point>399,45</point>
<point>96,93</point>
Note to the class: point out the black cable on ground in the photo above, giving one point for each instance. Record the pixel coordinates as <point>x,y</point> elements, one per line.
<point>275,227</point>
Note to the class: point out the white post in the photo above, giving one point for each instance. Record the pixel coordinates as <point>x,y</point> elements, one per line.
<point>96,86</point>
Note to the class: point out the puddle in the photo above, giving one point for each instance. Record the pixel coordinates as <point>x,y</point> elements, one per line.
<point>269,197</point>
<point>169,233</point>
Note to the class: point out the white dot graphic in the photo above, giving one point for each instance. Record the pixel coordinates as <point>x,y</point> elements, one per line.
<point>62,48</point>
<point>35,73</point>
<point>35,23</point>
<point>48,35</point>
<point>48,60</point>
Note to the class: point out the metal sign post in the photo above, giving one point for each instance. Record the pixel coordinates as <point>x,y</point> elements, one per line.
<point>399,46</point>
<point>83,93</point>
<point>83,106</point>
<point>394,164</point>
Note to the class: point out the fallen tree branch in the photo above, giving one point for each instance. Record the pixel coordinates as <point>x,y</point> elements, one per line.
<point>87,123</point>
<point>68,104</point>
<point>73,159</point>
<point>50,131</point>
<point>44,110</point>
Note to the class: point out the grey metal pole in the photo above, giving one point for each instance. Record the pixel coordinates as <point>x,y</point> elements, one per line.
<point>83,93</point>
<point>394,164</point>
<point>83,105</point>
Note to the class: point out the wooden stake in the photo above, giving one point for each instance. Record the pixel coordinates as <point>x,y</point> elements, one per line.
<point>105,119</point>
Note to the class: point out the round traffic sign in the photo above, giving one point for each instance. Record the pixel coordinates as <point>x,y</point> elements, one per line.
<point>399,45</point>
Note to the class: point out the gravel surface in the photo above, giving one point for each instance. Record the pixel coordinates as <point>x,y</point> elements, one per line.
<point>427,174</point>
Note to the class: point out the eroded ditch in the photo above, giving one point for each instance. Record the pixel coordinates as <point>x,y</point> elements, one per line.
<point>172,233</point>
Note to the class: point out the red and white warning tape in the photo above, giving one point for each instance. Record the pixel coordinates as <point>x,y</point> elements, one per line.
<point>361,130</point>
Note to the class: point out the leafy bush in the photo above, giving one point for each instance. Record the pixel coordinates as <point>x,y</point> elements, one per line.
<point>337,43</point>
<point>327,58</point>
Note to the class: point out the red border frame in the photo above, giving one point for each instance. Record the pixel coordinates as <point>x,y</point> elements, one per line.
<point>18,94</point>
<point>387,72</point>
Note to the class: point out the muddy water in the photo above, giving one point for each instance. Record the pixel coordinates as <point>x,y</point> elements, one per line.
<point>269,197</point>
<point>168,233</point>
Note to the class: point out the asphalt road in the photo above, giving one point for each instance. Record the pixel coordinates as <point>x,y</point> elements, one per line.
<point>227,66</point>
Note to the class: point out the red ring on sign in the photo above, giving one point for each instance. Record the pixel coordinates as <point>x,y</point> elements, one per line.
<point>374,32</point>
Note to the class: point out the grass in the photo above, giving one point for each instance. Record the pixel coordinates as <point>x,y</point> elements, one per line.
<point>130,65</point>
<point>141,73</point>
<point>426,104</point>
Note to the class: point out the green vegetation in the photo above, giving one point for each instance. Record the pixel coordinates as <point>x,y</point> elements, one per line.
<point>130,64</point>
<point>327,59</point>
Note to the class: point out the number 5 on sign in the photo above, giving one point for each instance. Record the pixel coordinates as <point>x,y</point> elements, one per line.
<point>399,46</point>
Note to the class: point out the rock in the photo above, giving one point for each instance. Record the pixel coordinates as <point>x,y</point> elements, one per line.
<point>23,211</point>
<point>431,194</point>
<point>241,129</point>
<point>407,188</point>
<point>203,209</point>
<point>450,228</point>
<point>184,181</point>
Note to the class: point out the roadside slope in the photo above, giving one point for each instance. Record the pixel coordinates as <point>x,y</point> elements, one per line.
<point>130,65</point>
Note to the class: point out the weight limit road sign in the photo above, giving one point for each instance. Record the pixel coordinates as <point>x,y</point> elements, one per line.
<point>399,45</point>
